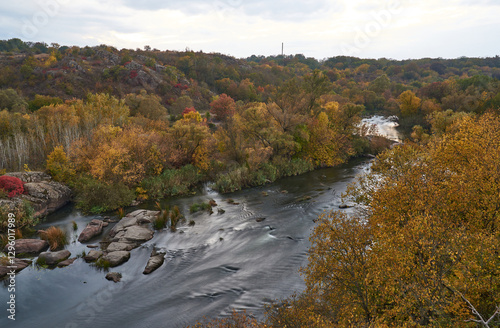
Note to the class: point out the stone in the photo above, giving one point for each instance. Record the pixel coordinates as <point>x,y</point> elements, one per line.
<point>117,246</point>
<point>52,258</point>
<point>92,256</point>
<point>44,195</point>
<point>155,261</point>
<point>92,246</point>
<point>135,234</point>
<point>66,262</point>
<point>6,266</point>
<point>92,229</point>
<point>345,206</point>
<point>117,258</point>
<point>114,276</point>
<point>29,246</point>
<point>134,218</point>
<point>260,219</point>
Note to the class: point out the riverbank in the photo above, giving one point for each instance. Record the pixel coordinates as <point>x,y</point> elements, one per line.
<point>241,258</point>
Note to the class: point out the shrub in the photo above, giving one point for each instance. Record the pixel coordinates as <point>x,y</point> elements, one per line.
<point>11,185</point>
<point>175,217</point>
<point>55,236</point>
<point>162,219</point>
<point>24,214</point>
<point>96,196</point>
<point>200,207</point>
<point>173,182</point>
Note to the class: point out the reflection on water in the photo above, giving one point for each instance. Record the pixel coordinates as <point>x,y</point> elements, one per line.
<point>242,259</point>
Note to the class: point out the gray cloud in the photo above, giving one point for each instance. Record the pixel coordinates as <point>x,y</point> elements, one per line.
<point>279,10</point>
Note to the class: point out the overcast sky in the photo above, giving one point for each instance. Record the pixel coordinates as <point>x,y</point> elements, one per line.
<point>397,29</point>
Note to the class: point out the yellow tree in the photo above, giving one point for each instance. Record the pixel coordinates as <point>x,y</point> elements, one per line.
<point>409,103</point>
<point>434,217</point>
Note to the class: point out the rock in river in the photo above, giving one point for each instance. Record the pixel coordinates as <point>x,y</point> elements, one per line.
<point>66,262</point>
<point>114,276</point>
<point>117,246</point>
<point>52,258</point>
<point>6,266</point>
<point>155,261</point>
<point>116,258</point>
<point>93,229</point>
<point>92,256</point>
<point>29,246</point>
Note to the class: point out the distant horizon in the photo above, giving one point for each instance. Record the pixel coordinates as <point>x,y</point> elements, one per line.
<point>396,29</point>
<point>257,55</point>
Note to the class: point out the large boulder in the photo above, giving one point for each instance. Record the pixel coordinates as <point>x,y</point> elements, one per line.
<point>52,258</point>
<point>134,234</point>
<point>46,196</point>
<point>116,258</point>
<point>139,217</point>
<point>92,229</point>
<point>28,246</point>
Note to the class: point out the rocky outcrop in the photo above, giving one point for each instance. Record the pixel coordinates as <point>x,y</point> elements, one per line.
<point>92,229</point>
<point>130,232</point>
<point>114,276</point>
<point>28,246</point>
<point>6,266</point>
<point>155,261</point>
<point>116,258</point>
<point>53,258</point>
<point>46,196</point>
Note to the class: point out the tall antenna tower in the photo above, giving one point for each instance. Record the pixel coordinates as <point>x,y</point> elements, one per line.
<point>282,47</point>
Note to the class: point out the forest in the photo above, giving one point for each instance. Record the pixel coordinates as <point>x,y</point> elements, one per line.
<point>124,125</point>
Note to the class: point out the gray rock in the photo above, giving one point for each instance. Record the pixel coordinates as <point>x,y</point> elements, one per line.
<point>93,229</point>
<point>66,262</point>
<point>114,276</point>
<point>44,195</point>
<point>155,261</point>
<point>134,218</point>
<point>29,246</point>
<point>6,266</point>
<point>92,256</point>
<point>117,246</point>
<point>135,234</point>
<point>52,258</point>
<point>117,258</point>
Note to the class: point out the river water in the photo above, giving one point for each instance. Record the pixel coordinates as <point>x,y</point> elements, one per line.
<point>225,261</point>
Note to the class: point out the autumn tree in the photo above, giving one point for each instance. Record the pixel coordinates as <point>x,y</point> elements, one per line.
<point>223,107</point>
<point>409,103</point>
<point>147,105</point>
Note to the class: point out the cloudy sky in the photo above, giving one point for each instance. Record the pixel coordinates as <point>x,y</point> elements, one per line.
<point>397,29</point>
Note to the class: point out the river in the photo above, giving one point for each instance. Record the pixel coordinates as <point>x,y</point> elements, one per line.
<point>225,261</point>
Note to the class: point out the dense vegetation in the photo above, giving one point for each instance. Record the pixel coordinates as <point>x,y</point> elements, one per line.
<point>119,125</point>
<point>424,249</point>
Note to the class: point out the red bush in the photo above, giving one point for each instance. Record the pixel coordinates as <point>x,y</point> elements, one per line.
<point>133,74</point>
<point>11,185</point>
<point>188,110</point>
